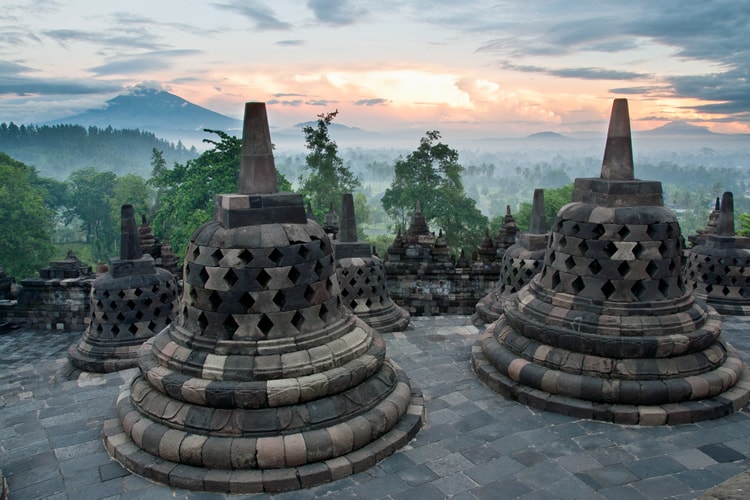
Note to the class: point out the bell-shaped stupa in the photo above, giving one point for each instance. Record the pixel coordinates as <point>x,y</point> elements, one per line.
<point>362,277</point>
<point>130,303</point>
<point>718,267</point>
<point>266,382</point>
<point>521,262</point>
<point>506,233</point>
<point>607,330</point>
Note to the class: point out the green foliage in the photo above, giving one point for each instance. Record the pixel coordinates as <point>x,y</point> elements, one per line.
<point>25,221</point>
<point>432,176</point>
<point>59,150</point>
<point>554,199</point>
<point>327,177</point>
<point>90,195</point>
<point>186,192</point>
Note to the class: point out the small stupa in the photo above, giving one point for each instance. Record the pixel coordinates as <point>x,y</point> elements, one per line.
<point>521,262</point>
<point>608,330</point>
<point>718,268</point>
<point>130,303</point>
<point>146,238</point>
<point>486,251</point>
<point>266,382</point>
<point>362,277</point>
<point>506,233</point>
<point>713,220</point>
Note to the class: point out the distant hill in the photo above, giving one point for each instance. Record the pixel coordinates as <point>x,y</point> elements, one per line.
<point>547,135</point>
<point>166,115</point>
<point>679,129</point>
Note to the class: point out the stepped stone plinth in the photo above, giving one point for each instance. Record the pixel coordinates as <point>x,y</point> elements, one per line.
<point>266,382</point>
<point>130,303</point>
<point>718,267</point>
<point>607,330</point>
<point>521,262</point>
<point>362,279</point>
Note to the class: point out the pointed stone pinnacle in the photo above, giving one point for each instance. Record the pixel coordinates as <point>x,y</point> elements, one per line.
<point>257,168</point>
<point>130,246</point>
<point>418,208</point>
<point>725,226</point>
<point>538,224</point>
<point>348,231</point>
<point>717,205</point>
<point>618,153</point>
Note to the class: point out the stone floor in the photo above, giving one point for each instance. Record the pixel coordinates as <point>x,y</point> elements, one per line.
<point>475,444</point>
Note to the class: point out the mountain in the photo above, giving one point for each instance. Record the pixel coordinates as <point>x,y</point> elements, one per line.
<point>166,115</point>
<point>680,129</point>
<point>547,136</point>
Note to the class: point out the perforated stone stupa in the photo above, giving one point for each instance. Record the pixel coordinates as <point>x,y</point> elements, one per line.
<point>718,268</point>
<point>607,330</point>
<point>362,277</point>
<point>266,382</point>
<point>131,303</point>
<point>521,262</point>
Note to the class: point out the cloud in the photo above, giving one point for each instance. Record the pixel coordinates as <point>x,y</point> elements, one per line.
<point>336,12</point>
<point>294,103</point>
<point>290,43</point>
<point>132,39</point>
<point>372,102</point>
<point>15,80</point>
<point>264,17</point>
<point>140,64</point>
<point>582,73</point>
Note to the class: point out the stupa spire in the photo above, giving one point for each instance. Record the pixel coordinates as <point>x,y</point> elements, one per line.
<point>257,167</point>
<point>130,243</point>
<point>725,226</point>
<point>618,152</point>
<point>348,231</point>
<point>538,224</point>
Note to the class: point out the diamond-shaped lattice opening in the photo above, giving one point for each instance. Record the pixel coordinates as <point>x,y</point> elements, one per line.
<point>595,267</point>
<point>329,285</point>
<point>265,325</point>
<point>99,304</point>
<point>353,304</point>
<point>555,278</point>
<point>99,328</point>
<point>121,294</point>
<point>203,275</point>
<point>367,280</point>
<point>323,312</point>
<point>733,280</point>
<point>298,320</point>
<point>246,256</point>
<point>230,326</point>
<point>131,305</point>
<point>608,289</point>
<point>583,247</point>
<point>353,282</point>
<point>652,268</point>
<point>279,299</point>
<point>672,266</point>
<point>263,278</point>
<point>638,250</point>
<point>215,300</point>
<point>742,292</point>
<point>345,292</point>
<point>551,256</point>
<point>217,255</point>
<point>137,292</point>
<point>303,251</point>
<point>664,287</point>
<point>563,241</point>
<point>193,294</point>
<point>570,263</point>
<point>185,313</point>
<point>202,321</point>
<point>671,230</point>
<point>573,229</point>
<point>598,231</point>
<point>361,291</point>
<point>196,252</point>
<point>294,275</point>
<point>318,269</point>
<point>133,328</point>
<point>624,232</point>
<point>623,268</point>
<point>309,294</point>
<point>709,288</point>
<point>164,298</point>
<point>105,294</point>
<point>247,301</point>
<point>152,325</point>
<point>139,315</point>
<point>275,256</point>
<point>360,272</point>
<point>725,291</point>
<point>610,249</point>
<point>120,317</point>
<point>578,284</point>
<point>157,311</point>
<point>230,278</point>
<point>115,330</point>
<point>652,231</point>
<point>368,302</point>
<point>638,289</point>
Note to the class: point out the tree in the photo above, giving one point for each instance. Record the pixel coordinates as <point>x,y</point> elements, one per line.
<point>186,192</point>
<point>25,223</point>
<point>90,195</point>
<point>432,176</point>
<point>327,177</point>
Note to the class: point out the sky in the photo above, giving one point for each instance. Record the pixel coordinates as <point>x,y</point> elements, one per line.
<point>503,68</point>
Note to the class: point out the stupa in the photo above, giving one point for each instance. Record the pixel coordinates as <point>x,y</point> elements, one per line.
<point>506,233</point>
<point>362,277</point>
<point>718,267</point>
<point>146,238</point>
<point>130,303</point>
<point>266,382</point>
<point>521,262</point>
<point>607,330</point>
<point>713,220</point>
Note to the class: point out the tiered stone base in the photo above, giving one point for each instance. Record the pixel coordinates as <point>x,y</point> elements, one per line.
<point>272,463</point>
<point>561,381</point>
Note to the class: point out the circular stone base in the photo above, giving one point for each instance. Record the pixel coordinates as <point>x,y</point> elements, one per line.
<point>727,309</point>
<point>121,447</point>
<point>388,319</point>
<point>730,401</point>
<point>102,365</point>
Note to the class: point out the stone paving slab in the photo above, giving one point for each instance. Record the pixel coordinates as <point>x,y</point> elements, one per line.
<point>475,444</point>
